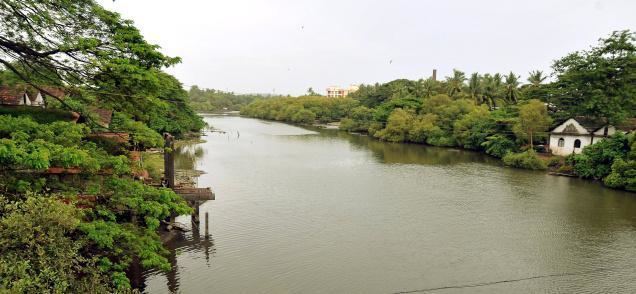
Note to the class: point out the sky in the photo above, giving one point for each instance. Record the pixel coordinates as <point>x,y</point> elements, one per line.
<point>287,46</point>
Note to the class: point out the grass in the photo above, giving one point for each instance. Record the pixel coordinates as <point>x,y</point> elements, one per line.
<point>153,163</point>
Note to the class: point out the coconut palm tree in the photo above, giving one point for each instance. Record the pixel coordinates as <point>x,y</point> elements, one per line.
<point>536,77</point>
<point>429,87</point>
<point>492,88</point>
<point>475,88</point>
<point>455,83</point>
<point>512,88</point>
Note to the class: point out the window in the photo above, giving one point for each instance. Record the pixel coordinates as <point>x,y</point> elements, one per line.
<point>577,143</point>
<point>561,142</point>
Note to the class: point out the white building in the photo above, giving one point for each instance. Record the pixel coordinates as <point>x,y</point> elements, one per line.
<point>575,133</point>
<point>336,91</point>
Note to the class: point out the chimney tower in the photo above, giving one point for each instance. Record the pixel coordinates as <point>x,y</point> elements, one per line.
<point>434,77</point>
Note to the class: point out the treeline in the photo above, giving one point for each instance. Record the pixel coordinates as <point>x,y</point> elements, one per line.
<point>216,100</point>
<point>302,110</point>
<point>72,217</point>
<point>492,113</point>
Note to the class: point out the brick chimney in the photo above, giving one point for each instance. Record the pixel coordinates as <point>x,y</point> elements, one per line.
<point>434,77</point>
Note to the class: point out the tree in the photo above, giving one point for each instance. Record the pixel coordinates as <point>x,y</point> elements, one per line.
<point>41,252</point>
<point>600,82</point>
<point>455,83</point>
<point>512,88</point>
<point>475,88</point>
<point>533,118</point>
<point>536,78</point>
<point>92,53</point>
<point>429,87</point>
<point>492,85</point>
<point>397,127</point>
<point>311,92</point>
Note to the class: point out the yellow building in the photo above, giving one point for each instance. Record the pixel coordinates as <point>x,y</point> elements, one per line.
<point>336,91</point>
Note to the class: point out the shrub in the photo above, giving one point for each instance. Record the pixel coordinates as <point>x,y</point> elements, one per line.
<point>555,161</point>
<point>596,160</point>
<point>498,145</point>
<point>623,175</point>
<point>527,160</point>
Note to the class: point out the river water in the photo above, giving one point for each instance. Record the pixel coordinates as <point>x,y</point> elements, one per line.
<point>322,211</point>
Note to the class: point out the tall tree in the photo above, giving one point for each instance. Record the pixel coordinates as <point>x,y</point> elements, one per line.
<point>533,118</point>
<point>83,47</point>
<point>512,88</point>
<point>455,83</point>
<point>429,87</point>
<point>536,78</point>
<point>600,82</point>
<point>492,85</point>
<point>475,88</point>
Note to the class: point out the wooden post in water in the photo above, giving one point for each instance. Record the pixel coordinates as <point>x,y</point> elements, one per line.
<point>195,215</point>
<point>168,165</point>
<point>168,160</point>
<point>206,225</point>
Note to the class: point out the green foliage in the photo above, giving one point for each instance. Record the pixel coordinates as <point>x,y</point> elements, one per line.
<point>359,120</point>
<point>623,175</point>
<point>600,82</point>
<point>299,109</point>
<point>498,145</point>
<point>533,120</point>
<point>37,114</point>
<point>217,100</point>
<point>41,249</point>
<point>596,160</point>
<point>141,135</point>
<point>424,129</point>
<point>473,129</point>
<point>398,126</point>
<point>527,160</point>
<point>28,145</point>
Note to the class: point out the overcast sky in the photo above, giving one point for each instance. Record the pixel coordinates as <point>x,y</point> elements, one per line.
<point>287,46</point>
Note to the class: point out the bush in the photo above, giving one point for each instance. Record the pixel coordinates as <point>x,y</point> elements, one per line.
<point>498,145</point>
<point>623,175</point>
<point>527,160</point>
<point>41,250</point>
<point>555,161</point>
<point>596,160</point>
<point>397,127</point>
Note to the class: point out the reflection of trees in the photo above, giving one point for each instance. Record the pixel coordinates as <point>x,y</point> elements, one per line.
<point>187,155</point>
<point>188,243</point>
<point>412,153</point>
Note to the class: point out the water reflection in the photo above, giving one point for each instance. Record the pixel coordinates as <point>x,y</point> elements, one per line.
<point>300,211</point>
<point>196,244</point>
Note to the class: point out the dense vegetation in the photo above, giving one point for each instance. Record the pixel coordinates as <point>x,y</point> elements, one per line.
<point>303,110</point>
<point>215,100</point>
<point>80,230</point>
<point>491,113</point>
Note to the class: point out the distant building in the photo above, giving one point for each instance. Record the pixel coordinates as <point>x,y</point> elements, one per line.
<point>575,133</point>
<point>336,91</point>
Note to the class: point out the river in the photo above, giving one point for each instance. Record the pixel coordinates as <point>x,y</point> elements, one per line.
<point>320,211</point>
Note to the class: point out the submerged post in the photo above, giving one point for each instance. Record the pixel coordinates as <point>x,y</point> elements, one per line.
<point>206,224</point>
<point>168,160</point>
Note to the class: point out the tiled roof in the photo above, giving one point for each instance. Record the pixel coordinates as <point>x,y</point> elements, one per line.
<point>11,95</point>
<point>590,124</point>
<point>105,116</point>
<point>59,92</point>
<point>628,125</point>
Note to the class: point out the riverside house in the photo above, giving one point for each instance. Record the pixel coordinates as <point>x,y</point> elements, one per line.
<point>23,96</point>
<point>574,134</point>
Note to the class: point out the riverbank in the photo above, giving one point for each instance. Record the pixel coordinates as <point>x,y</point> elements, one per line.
<point>302,208</point>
